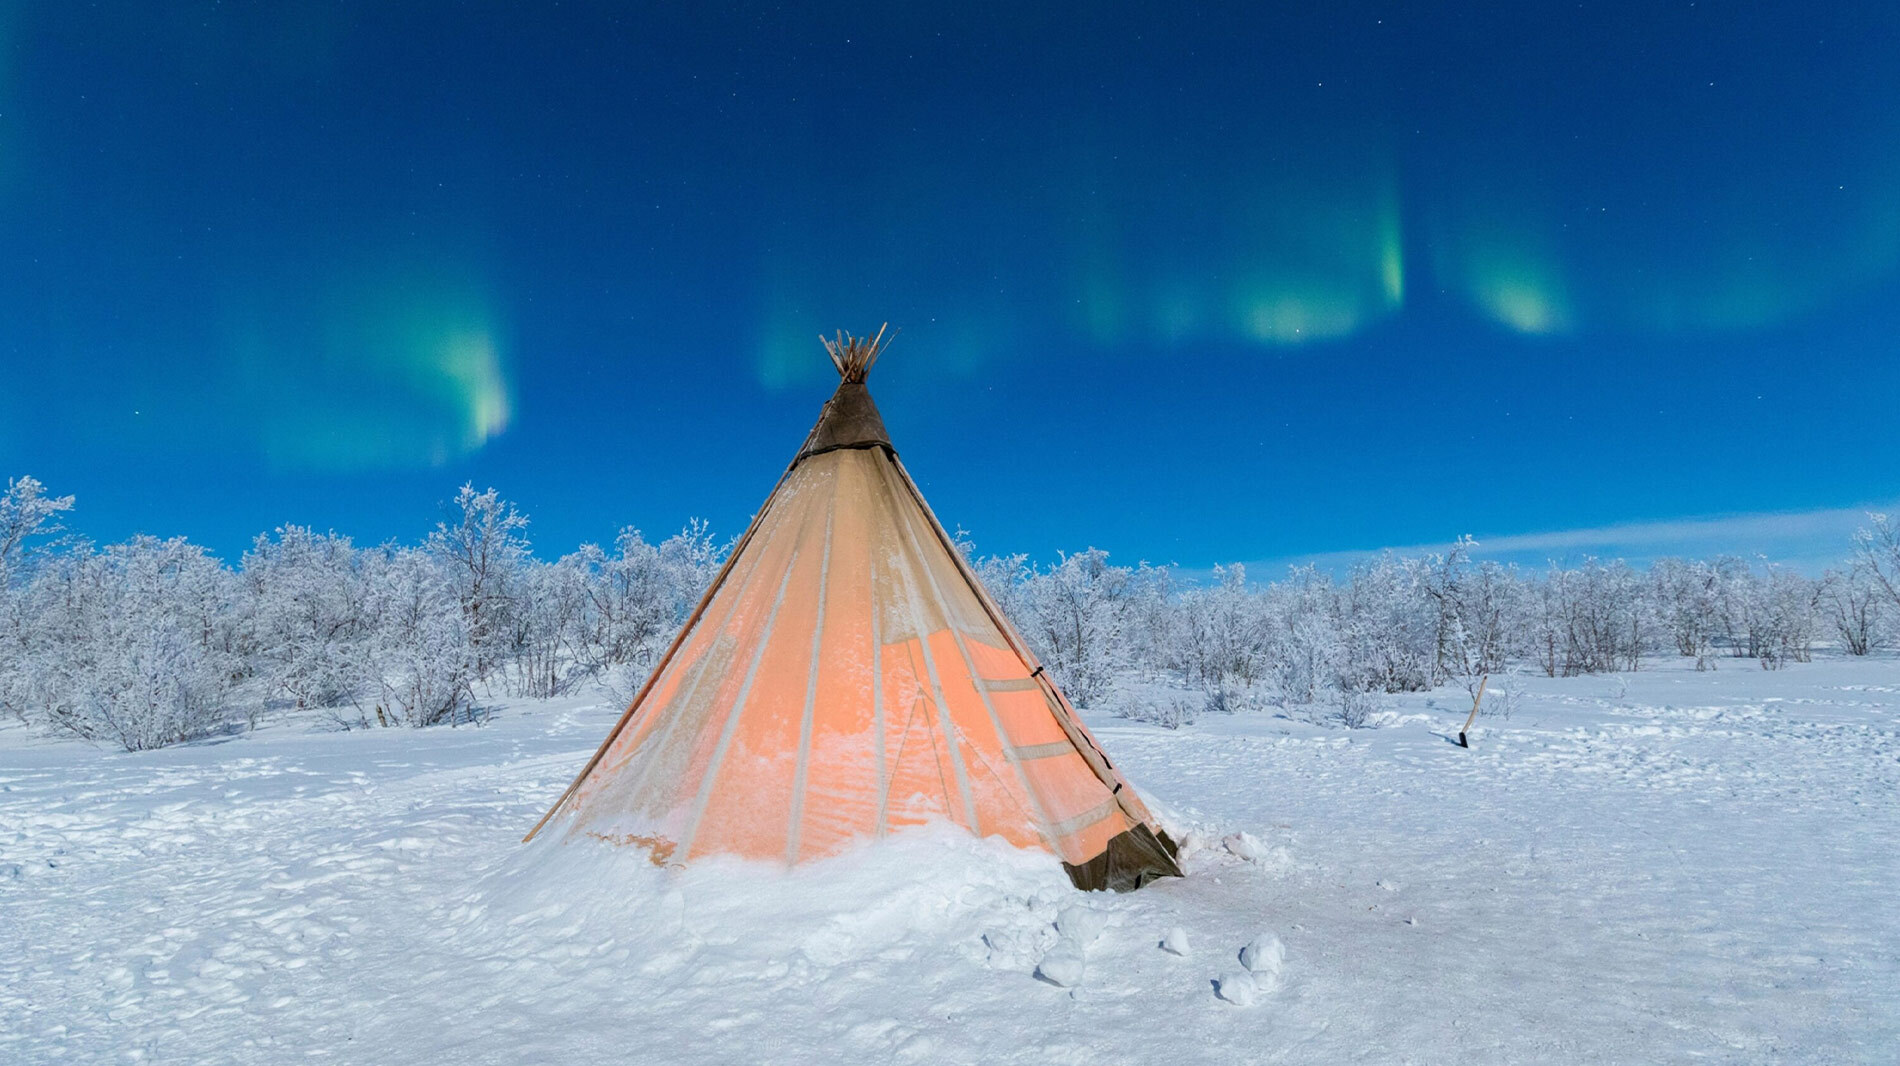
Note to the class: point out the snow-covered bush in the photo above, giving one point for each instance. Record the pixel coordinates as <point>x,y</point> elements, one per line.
<point>27,515</point>
<point>135,645</point>
<point>309,616</point>
<point>481,554</point>
<point>1304,653</point>
<point>1355,708</point>
<point>1687,599</point>
<point>1223,631</point>
<point>1854,606</point>
<point>421,663</point>
<point>1168,713</point>
<point>1073,615</point>
<point>1388,631</point>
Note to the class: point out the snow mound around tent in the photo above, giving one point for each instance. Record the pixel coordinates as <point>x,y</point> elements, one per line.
<point>742,920</point>
<point>926,922</point>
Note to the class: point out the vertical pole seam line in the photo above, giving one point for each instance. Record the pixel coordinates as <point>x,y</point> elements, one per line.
<point>671,726</point>
<point>704,670</point>
<point>894,764</point>
<point>1066,717</point>
<point>732,716</point>
<point>679,639</point>
<point>1035,809</point>
<point>943,705</point>
<point>910,716</point>
<point>811,686</point>
<point>936,753</point>
<point>877,703</point>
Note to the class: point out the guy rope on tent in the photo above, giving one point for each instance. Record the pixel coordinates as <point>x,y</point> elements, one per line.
<point>846,676</point>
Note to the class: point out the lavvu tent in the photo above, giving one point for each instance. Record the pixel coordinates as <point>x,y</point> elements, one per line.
<point>845,676</point>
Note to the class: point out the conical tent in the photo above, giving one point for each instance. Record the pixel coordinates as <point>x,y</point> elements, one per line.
<point>846,676</point>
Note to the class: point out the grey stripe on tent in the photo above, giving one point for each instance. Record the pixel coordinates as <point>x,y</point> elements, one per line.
<point>811,692</point>
<point>1027,752</point>
<point>1085,819</point>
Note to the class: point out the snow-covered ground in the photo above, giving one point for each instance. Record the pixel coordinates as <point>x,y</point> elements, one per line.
<point>1659,867</point>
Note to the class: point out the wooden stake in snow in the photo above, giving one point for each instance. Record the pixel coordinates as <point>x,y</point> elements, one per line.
<point>1479,698</point>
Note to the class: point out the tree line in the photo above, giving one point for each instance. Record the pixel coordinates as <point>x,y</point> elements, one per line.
<point>155,641</point>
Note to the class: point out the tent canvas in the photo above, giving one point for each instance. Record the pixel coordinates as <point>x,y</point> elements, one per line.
<point>845,676</point>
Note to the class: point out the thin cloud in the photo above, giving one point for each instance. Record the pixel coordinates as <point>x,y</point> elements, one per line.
<point>1806,540</point>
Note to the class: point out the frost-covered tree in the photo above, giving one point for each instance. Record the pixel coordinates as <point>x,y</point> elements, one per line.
<point>27,514</point>
<point>1224,632</point>
<point>1877,551</point>
<point>1304,652</point>
<point>637,598</point>
<point>133,645</point>
<point>1688,602</point>
<point>481,553</point>
<point>1074,616</point>
<point>1783,618</point>
<point>420,661</point>
<point>1475,606</point>
<point>1591,618</point>
<point>308,604</point>
<point>1388,632</point>
<point>1854,606</point>
<point>547,628</point>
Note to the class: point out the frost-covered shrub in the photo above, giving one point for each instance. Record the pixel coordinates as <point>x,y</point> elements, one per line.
<point>1073,615</point>
<point>1388,632</point>
<point>1223,631</point>
<point>1853,605</point>
<point>157,686</point>
<point>1221,699</point>
<point>1687,598</point>
<point>1504,693</point>
<point>309,616</point>
<point>1355,708</point>
<point>421,661</point>
<point>135,645</point>
<point>1170,713</point>
<point>481,553</point>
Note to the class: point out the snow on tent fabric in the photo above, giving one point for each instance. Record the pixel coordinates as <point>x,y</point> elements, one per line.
<point>846,676</point>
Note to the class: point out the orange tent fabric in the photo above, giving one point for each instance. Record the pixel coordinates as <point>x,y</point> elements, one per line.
<point>846,676</point>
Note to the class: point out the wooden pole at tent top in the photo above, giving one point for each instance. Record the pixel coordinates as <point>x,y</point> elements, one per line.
<point>1479,698</point>
<point>854,356</point>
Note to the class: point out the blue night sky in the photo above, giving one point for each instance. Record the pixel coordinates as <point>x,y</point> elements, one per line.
<point>1190,283</point>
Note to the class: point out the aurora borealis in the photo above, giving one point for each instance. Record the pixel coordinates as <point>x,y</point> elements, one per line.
<point>1191,284</point>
